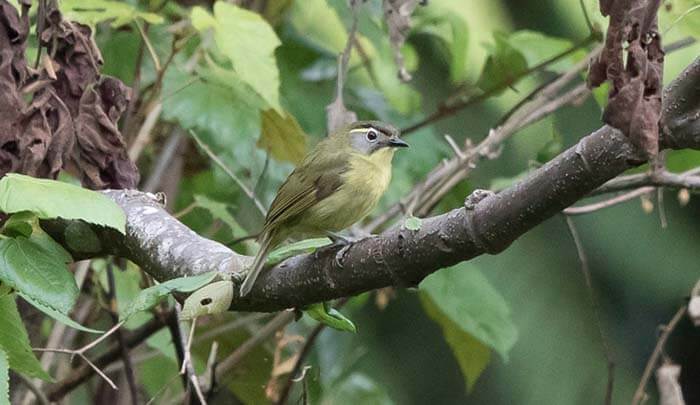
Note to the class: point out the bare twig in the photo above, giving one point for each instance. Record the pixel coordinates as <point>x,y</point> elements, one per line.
<point>248,192</point>
<point>276,323</point>
<point>82,356</point>
<point>662,178</point>
<point>34,389</point>
<point>79,375</point>
<point>447,109</point>
<point>114,314</point>
<point>587,209</point>
<point>144,135</point>
<point>305,350</point>
<point>596,308</point>
<point>151,51</point>
<point>658,349</point>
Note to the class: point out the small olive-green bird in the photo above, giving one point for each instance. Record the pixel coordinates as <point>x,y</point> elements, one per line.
<point>338,183</point>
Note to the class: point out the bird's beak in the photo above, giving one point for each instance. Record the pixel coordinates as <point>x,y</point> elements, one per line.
<point>397,143</point>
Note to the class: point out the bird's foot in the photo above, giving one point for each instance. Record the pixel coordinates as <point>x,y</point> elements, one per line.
<point>340,255</point>
<point>339,240</point>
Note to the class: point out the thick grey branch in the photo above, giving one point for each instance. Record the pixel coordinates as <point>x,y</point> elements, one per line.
<point>166,248</point>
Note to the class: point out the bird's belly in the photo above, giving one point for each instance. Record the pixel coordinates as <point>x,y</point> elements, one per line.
<point>353,201</point>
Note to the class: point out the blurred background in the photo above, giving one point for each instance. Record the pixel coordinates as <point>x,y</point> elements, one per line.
<point>517,327</point>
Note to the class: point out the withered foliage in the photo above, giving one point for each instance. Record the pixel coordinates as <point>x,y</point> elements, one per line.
<point>634,101</point>
<point>62,115</point>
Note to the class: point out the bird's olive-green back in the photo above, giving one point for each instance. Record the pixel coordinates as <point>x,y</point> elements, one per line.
<point>318,176</point>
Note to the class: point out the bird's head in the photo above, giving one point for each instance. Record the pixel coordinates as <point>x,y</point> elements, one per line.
<point>368,137</point>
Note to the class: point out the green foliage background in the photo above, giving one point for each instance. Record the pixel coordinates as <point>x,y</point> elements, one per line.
<point>513,328</point>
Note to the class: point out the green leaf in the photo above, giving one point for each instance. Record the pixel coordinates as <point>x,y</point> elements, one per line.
<point>552,148</point>
<point>329,37</point>
<point>453,30</point>
<point>215,101</point>
<point>504,64</point>
<point>328,316</point>
<point>537,48</point>
<point>472,355</point>
<point>600,95</point>
<point>4,379</point>
<point>26,224</point>
<point>466,297</point>
<point>92,12</point>
<point>219,211</point>
<point>15,342</point>
<point>62,318</point>
<point>249,42</point>
<point>282,137</point>
<point>357,388</point>
<point>412,223</point>
<point>214,298</point>
<point>296,248</point>
<point>28,268</point>
<point>54,199</point>
<point>19,224</point>
<point>151,296</point>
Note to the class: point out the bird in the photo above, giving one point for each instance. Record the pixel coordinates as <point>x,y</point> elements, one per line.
<point>338,183</point>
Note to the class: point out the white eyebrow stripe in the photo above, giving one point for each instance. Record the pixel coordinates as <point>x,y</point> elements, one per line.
<point>360,129</point>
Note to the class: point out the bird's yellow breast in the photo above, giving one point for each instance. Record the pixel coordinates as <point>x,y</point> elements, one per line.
<point>363,185</point>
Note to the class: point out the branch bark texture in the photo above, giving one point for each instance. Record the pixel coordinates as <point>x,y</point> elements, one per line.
<point>487,223</point>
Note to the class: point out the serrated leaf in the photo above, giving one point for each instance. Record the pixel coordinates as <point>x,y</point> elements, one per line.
<point>213,298</point>
<point>28,268</point>
<point>151,296</point>
<point>15,342</point>
<point>483,313</point>
<point>96,11</point>
<point>4,379</point>
<point>472,355</point>
<point>249,42</point>
<point>412,223</point>
<point>323,313</point>
<point>282,137</point>
<point>49,199</point>
<point>296,248</point>
<point>64,319</point>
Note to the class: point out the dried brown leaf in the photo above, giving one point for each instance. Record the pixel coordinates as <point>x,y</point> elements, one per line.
<point>634,101</point>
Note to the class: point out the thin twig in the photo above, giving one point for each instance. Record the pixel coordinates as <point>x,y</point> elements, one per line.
<point>229,172</point>
<point>188,347</point>
<point>445,110</point>
<point>33,388</point>
<point>151,51</point>
<point>82,356</point>
<point>587,209</point>
<point>79,375</point>
<point>275,324</point>
<point>114,314</point>
<point>596,308</point>
<point>658,349</point>
<point>305,350</point>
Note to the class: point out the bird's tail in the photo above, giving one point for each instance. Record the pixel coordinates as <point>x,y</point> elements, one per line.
<point>258,263</point>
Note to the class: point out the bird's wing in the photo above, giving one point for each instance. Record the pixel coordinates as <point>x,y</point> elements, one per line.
<point>305,186</point>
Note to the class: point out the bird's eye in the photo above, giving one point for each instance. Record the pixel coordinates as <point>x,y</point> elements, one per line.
<point>371,135</point>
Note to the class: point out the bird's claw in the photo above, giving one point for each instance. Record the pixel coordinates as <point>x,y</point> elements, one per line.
<point>339,240</point>
<point>340,255</point>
